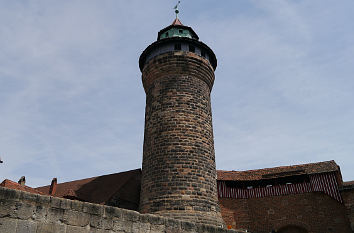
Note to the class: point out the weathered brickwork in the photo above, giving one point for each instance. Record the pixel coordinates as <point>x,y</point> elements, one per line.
<point>22,212</point>
<point>348,198</point>
<point>313,212</point>
<point>178,173</point>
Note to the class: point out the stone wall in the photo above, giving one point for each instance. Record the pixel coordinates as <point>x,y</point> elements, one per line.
<point>315,212</point>
<point>22,212</point>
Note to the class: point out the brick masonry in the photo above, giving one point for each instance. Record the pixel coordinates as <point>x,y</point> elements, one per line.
<point>22,212</point>
<point>315,212</point>
<point>348,198</point>
<point>178,172</point>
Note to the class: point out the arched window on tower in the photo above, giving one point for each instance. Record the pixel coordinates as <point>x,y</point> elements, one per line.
<point>191,48</point>
<point>178,47</point>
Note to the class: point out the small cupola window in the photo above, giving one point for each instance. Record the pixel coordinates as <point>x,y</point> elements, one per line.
<point>180,31</point>
<point>178,47</point>
<point>191,48</point>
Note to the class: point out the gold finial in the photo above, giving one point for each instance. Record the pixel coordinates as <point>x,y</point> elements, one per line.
<point>176,9</point>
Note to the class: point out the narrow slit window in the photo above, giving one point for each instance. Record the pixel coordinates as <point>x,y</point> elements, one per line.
<point>203,53</point>
<point>191,48</point>
<point>177,46</point>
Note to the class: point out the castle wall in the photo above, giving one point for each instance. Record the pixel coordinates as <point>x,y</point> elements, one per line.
<point>348,198</point>
<point>315,212</point>
<point>22,212</point>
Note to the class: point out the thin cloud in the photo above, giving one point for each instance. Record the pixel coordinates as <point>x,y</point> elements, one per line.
<point>72,102</point>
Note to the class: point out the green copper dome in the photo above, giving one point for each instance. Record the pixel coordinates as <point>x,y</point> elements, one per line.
<point>177,29</point>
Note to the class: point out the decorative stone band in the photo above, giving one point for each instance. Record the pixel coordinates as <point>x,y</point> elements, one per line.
<point>178,63</point>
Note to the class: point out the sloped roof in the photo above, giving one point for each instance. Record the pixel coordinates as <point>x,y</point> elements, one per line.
<point>277,172</point>
<point>177,22</point>
<point>98,189</point>
<point>14,185</point>
<point>348,185</point>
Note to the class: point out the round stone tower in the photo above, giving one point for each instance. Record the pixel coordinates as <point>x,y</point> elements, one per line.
<point>178,172</point>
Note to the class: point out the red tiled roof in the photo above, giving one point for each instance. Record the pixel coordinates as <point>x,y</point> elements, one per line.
<point>96,189</point>
<point>176,22</point>
<point>276,172</point>
<point>348,183</point>
<point>14,185</point>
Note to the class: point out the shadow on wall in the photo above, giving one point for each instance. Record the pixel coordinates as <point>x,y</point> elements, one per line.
<point>292,229</point>
<point>119,190</point>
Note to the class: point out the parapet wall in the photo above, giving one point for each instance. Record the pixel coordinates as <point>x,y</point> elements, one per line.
<point>22,212</point>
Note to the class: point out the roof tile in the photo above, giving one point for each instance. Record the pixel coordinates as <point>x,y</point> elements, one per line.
<point>310,168</point>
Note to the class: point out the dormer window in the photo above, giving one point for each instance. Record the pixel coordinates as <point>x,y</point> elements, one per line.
<point>178,47</point>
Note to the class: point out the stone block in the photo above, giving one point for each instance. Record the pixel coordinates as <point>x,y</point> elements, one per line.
<point>107,223</point>
<point>8,225</point>
<point>50,228</point>
<point>25,226</point>
<point>129,215</point>
<point>25,210</point>
<point>40,213</point>
<point>75,229</point>
<point>152,219</point>
<point>55,215</point>
<point>96,221</point>
<point>77,205</point>
<point>43,200</point>
<point>65,204</point>
<point>7,208</point>
<point>28,197</point>
<point>95,230</point>
<point>9,194</point>
<point>156,228</point>
<point>222,230</point>
<point>173,223</point>
<point>122,226</point>
<point>55,202</point>
<point>113,212</point>
<point>76,218</point>
<point>94,209</point>
<point>138,227</point>
<point>188,226</point>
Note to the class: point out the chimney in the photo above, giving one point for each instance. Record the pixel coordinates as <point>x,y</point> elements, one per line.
<point>22,181</point>
<point>53,187</point>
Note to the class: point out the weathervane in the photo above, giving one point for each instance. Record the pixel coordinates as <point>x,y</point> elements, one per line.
<point>176,9</point>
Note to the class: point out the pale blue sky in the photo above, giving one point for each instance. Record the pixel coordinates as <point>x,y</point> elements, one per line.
<point>72,102</point>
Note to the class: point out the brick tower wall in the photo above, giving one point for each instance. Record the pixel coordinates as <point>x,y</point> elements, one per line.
<point>178,173</point>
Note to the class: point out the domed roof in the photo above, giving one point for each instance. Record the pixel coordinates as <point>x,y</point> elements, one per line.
<point>177,29</point>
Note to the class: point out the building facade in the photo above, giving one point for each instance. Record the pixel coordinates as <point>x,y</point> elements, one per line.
<point>306,198</point>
